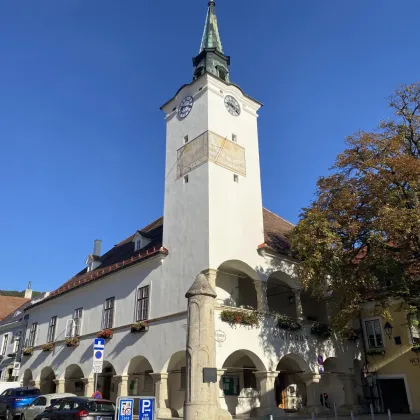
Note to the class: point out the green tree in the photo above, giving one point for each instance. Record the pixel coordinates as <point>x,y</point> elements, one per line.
<point>360,238</point>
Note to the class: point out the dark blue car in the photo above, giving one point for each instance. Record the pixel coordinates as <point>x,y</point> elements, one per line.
<point>14,400</point>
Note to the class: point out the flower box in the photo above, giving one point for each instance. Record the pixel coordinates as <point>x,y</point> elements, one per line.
<point>286,323</point>
<point>72,341</point>
<point>106,333</point>
<point>140,326</point>
<point>321,330</point>
<point>48,346</point>
<point>234,317</point>
<point>416,348</point>
<point>27,351</point>
<point>375,352</point>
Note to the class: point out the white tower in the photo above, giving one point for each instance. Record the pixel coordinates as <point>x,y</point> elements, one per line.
<point>213,205</point>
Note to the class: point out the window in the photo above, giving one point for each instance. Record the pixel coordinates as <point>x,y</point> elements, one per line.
<point>77,322</point>
<point>108,320</point>
<point>32,334</point>
<point>183,379</point>
<point>138,245</point>
<point>186,179</point>
<point>222,73</point>
<point>374,333</point>
<point>16,343</point>
<point>230,385</point>
<point>234,138</point>
<point>4,345</point>
<point>250,381</point>
<point>142,303</point>
<point>42,401</point>
<point>235,178</point>
<point>51,330</point>
<point>185,139</point>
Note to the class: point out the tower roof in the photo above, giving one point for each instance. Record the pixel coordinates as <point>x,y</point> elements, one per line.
<point>211,35</point>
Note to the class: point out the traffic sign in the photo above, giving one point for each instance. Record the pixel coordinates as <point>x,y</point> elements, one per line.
<point>16,369</point>
<point>97,395</point>
<point>147,409</point>
<point>125,409</point>
<point>320,360</point>
<point>98,354</point>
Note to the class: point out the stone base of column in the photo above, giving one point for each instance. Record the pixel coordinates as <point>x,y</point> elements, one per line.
<point>346,408</point>
<point>314,409</point>
<point>165,413</point>
<point>274,411</point>
<point>201,411</point>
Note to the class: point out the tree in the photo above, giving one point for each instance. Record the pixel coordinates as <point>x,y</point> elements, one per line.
<point>360,238</point>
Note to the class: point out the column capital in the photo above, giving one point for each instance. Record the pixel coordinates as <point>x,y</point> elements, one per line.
<point>310,378</point>
<point>266,374</point>
<point>159,376</point>
<point>120,378</point>
<point>59,381</point>
<point>88,380</point>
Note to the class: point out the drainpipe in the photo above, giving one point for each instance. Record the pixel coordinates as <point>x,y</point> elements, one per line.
<point>22,339</point>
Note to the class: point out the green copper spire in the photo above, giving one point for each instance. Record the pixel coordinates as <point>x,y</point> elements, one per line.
<point>211,35</point>
<point>211,58</point>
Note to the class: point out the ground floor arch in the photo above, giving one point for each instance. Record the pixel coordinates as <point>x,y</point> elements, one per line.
<point>27,377</point>
<point>106,383</point>
<point>331,382</point>
<point>140,380</point>
<point>73,380</point>
<point>47,381</point>
<point>290,388</point>
<point>176,369</point>
<point>239,384</point>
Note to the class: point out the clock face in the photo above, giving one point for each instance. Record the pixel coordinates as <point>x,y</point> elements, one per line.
<point>185,106</point>
<point>232,105</point>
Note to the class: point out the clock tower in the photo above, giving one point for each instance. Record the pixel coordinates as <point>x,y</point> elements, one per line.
<point>213,205</point>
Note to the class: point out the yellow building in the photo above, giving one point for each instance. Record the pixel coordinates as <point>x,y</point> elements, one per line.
<point>392,368</point>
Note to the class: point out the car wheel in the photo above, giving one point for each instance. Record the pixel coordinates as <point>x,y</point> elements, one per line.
<point>22,416</point>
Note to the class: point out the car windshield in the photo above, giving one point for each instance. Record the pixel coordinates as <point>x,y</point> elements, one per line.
<point>27,392</point>
<point>97,406</point>
<point>7,392</point>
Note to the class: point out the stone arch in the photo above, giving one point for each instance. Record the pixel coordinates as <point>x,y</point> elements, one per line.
<point>235,284</point>
<point>27,377</point>
<point>290,388</point>
<point>140,382</point>
<point>330,381</point>
<point>106,382</point>
<point>47,378</point>
<point>73,380</point>
<point>358,376</point>
<point>239,383</point>
<point>333,365</point>
<point>281,294</point>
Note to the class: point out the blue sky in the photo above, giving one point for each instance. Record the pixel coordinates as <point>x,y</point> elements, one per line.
<point>82,136</point>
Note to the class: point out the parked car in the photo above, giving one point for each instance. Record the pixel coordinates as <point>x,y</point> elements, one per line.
<point>14,400</point>
<point>75,408</point>
<point>39,405</point>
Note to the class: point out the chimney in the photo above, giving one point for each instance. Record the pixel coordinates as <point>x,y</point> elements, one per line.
<point>28,291</point>
<point>97,245</point>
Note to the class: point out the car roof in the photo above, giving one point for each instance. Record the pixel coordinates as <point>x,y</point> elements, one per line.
<point>24,388</point>
<point>58,395</point>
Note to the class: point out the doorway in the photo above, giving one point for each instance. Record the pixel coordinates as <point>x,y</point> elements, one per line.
<point>394,395</point>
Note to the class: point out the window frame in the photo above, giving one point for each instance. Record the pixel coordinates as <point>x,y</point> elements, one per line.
<point>32,334</point>
<point>4,344</point>
<point>16,342</point>
<point>52,329</point>
<point>142,300</point>
<point>77,326</point>
<point>106,310</point>
<point>365,329</point>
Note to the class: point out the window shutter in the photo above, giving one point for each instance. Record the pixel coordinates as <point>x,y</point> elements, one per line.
<point>69,328</point>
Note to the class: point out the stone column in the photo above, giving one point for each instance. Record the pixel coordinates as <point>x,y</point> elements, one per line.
<point>60,386</point>
<point>350,397</point>
<point>89,386</point>
<point>200,397</point>
<point>219,388</point>
<point>37,384</point>
<point>122,382</point>
<point>266,387</point>
<point>261,289</point>
<point>313,403</point>
<point>160,381</point>
<point>298,303</point>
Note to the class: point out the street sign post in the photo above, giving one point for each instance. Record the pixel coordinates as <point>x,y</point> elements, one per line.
<point>98,357</point>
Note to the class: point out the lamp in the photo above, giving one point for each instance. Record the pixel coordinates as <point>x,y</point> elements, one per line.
<point>388,329</point>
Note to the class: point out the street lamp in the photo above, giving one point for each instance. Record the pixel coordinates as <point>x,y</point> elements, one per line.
<point>388,329</point>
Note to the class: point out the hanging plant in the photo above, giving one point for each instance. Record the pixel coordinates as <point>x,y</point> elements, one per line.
<point>233,317</point>
<point>72,341</point>
<point>105,333</point>
<point>286,323</point>
<point>375,352</point>
<point>139,326</point>
<point>47,346</point>
<point>27,351</point>
<point>321,330</point>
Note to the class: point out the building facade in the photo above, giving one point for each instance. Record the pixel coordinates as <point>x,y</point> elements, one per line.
<point>274,349</point>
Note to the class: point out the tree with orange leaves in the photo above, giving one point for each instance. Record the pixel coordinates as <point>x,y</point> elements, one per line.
<point>360,238</point>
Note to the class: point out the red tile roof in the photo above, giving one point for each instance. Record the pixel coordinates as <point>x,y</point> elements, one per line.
<point>9,304</point>
<point>123,255</point>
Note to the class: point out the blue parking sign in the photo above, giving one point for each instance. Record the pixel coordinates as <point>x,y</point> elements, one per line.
<point>125,409</point>
<point>147,408</point>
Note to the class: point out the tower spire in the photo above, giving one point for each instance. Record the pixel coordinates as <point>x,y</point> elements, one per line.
<point>211,58</point>
<point>211,35</point>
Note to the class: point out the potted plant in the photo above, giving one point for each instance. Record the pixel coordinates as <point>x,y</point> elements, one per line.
<point>72,341</point>
<point>377,351</point>
<point>27,351</point>
<point>321,330</point>
<point>416,348</point>
<point>286,323</point>
<point>139,326</point>
<point>105,333</point>
<point>47,346</point>
<point>233,317</point>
